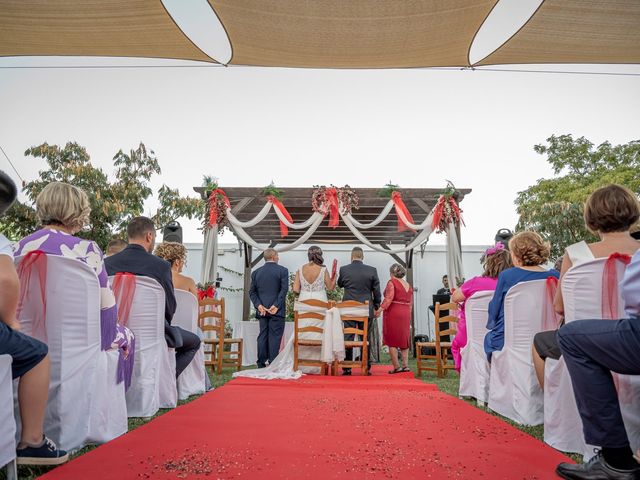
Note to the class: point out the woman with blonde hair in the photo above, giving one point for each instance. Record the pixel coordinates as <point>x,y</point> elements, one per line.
<point>528,253</point>
<point>63,210</point>
<point>495,260</point>
<point>176,254</point>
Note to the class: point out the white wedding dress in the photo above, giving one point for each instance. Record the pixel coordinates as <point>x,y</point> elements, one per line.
<point>282,365</point>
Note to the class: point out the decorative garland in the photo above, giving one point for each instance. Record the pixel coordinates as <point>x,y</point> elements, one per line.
<point>228,270</point>
<point>447,210</point>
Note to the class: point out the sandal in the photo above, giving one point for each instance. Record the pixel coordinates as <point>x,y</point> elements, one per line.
<point>395,370</point>
<point>405,369</point>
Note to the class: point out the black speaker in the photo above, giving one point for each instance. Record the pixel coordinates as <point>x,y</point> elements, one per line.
<point>172,232</point>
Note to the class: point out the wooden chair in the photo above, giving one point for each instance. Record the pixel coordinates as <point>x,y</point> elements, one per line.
<point>362,343</point>
<point>211,319</point>
<point>438,361</point>
<point>301,342</point>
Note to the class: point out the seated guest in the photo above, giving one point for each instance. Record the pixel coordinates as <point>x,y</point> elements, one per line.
<point>528,253</point>
<point>63,210</point>
<point>30,359</point>
<point>176,254</point>
<point>592,349</point>
<point>445,286</point>
<point>396,327</point>
<point>137,259</point>
<point>609,212</point>
<point>114,246</point>
<point>494,261</point>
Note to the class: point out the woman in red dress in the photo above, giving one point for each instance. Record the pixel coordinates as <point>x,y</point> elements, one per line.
<point>396,325</point>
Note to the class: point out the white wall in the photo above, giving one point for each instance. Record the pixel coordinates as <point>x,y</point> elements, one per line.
<point>428,271</point>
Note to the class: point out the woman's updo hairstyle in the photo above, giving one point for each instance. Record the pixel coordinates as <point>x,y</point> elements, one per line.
<point>530,249</point>
<point>398,270</point>
<point>315,255</point>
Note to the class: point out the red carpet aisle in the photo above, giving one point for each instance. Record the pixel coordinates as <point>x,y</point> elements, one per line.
<point>383,426</point>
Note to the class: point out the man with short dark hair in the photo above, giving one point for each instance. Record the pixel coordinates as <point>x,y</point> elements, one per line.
<point>360,283</point>
<point>445,290</point>
<point>268,293</point>
<point>137,258</point>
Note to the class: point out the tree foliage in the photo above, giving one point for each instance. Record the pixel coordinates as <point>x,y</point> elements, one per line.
<point>113,201</point>
<point>554,207</point>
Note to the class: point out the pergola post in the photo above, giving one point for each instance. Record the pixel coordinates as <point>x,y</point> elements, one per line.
<point>409,266</point>
<point>246,301</point>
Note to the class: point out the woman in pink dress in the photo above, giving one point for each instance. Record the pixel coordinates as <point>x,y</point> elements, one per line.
<point>396,325</point>
<point>495,260</point>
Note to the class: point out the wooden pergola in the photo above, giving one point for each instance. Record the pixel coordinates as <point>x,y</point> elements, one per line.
<point>246,202</point>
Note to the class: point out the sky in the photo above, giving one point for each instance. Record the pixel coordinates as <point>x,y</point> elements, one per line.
<point>303,127</point>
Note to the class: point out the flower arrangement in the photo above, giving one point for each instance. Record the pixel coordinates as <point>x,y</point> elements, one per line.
<point>272,191</point>
<point>447,210</point>
<point>216,204</point>
<point>324,199</point>
<point>206,290</point>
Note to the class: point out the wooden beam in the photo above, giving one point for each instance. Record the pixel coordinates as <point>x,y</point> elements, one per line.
<point>240,206</point>
<point>393,255</point>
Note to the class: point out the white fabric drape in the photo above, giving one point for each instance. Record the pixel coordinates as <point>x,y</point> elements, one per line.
<point>209,264</point>
<point>245,237</point>
<point>423,236</point>
<point>454,256</point>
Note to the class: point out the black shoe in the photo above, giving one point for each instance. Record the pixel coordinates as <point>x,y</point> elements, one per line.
<point>346,372</point>
<point>261,365</point>
<point>45,454</point>
<point>596,469</point>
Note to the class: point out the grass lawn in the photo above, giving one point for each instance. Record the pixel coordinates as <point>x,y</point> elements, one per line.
<point>448,385</point>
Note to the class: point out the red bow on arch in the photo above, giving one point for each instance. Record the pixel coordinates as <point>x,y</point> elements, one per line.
<point>396,198</point>
<point>334,207</point>
<point>208,292</point>
<point>284,230</point>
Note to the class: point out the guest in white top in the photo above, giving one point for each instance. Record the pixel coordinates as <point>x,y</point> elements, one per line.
<point>609,212</point>
<point>592,349</point>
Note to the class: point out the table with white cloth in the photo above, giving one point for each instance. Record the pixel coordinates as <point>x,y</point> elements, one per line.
<point>249,332</point>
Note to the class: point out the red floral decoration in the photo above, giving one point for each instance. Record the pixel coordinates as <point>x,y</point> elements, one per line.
<point>329,201</point>
<point>217,208</point>
<point>446,211</point>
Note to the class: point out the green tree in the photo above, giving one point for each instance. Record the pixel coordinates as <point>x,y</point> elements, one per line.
<point>113,202</point>
<point>554,207</point>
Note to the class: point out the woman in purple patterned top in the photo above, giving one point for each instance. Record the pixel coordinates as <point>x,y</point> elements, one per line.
<point>63,210</point>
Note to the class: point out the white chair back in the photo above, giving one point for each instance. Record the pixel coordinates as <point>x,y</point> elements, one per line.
<point>85,404</point>
<point>153,384</point>
<point>474,368</point>
<point>582,295</point>
<point>7,421</point>
<point>513,387</point>
<point>192,380</point>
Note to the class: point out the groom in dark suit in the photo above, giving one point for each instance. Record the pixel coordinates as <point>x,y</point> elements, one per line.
<point>268,293</point>
<point>360,283</point>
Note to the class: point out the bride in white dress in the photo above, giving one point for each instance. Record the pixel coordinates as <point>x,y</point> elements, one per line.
<point>312,282</point>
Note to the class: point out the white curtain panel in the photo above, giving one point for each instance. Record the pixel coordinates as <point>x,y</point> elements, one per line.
<point>209,255</point>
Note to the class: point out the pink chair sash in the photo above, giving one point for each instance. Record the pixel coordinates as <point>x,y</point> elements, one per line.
<point>34,262</point>
<point>551,320</point>
<point>610,309</point>
<point>124,288</point>
<point>610,285</point>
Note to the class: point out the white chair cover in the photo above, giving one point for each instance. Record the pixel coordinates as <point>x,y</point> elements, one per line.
<point>153,383</point>
<point>582,295</point>
<point>474,368</point>
<point>7,422</point>
<point>513,387</point>
<point>86,404</point>
<point>192,380</point>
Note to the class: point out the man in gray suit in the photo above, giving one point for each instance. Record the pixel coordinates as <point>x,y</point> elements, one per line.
<point>360,283</point>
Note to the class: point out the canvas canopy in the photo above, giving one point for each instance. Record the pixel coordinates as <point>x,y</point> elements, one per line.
<point>325,33</point>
